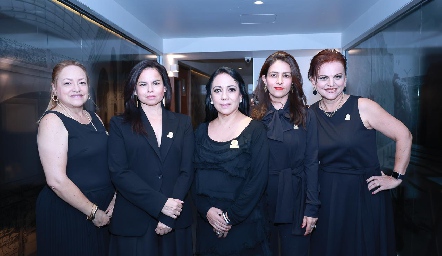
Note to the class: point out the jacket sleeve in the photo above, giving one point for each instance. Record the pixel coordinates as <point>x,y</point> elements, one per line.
<point>127,182</point>
<point>185,178</point>
<point>256,180</point>
<point>311,165</point>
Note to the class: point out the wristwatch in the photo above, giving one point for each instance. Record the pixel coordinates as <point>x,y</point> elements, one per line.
<point>397,175</point>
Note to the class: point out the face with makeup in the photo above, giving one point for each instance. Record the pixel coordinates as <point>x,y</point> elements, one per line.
<point>225,94</point>
<point>330,80</point>
<point>278,81</point>
<point>150,87</point>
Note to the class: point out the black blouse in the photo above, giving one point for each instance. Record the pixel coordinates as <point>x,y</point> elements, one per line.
<point>232,176</point>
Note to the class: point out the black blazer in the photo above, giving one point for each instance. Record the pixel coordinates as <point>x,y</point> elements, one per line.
<point>145,175</point>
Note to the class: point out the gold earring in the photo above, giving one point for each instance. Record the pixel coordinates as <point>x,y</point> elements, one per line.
<point>54,98</point>
<point>265,88</point>
<point>136,100</point>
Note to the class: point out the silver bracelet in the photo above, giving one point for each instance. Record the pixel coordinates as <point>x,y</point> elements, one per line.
<point>226,219</point>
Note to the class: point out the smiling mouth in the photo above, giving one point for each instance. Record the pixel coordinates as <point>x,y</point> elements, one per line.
<point>279,88</point>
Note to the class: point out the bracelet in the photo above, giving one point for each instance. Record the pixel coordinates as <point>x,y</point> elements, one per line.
<point>397,175</point>
<point>94,210</point>
<point>226,219</point>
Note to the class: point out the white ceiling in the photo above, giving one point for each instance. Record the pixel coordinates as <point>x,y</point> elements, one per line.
<point>210,18</point>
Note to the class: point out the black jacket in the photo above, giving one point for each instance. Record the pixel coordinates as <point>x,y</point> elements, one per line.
<point>145,175</point>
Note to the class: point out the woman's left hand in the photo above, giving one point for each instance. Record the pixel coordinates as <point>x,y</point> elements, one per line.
<point>162,229</point>
<point>383,182</point>
<point>309,223</point>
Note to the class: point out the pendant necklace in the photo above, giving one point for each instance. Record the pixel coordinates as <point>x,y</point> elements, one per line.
<point>330,114</point>
<point>84,113</point>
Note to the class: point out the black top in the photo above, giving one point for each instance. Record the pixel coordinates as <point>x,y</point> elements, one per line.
<point>360,223</point>
<point>231,176</point>
<point>87,168</point>
<point>292,191</point>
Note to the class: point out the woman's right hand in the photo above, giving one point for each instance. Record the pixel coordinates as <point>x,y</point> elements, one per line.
<point>172,207</point>
<point>214,216</point>
<point>101,218</point>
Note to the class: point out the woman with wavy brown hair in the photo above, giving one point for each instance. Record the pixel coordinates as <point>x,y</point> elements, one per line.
<point>292,190</point>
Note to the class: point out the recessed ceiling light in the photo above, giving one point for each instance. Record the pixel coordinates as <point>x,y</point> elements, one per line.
<point>258,2</point>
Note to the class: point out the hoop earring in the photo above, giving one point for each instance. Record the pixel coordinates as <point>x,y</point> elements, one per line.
<point>314,91</point>
<point>265,88</point>
<point>54,98</point>
<point>136,100</point>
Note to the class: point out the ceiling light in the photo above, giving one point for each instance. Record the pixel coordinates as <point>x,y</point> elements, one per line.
<point>258,2</point>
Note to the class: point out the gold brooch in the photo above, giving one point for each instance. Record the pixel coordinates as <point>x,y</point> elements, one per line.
<point>234,144</point>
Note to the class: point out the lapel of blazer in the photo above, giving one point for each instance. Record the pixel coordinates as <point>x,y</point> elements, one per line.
<point>151,138</point>
<point>170,127</point>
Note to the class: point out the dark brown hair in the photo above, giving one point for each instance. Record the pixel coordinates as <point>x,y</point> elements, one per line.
<point>297,100</point>
<point>325,56</point>
<point>132,113</point>
<point>244,105</point>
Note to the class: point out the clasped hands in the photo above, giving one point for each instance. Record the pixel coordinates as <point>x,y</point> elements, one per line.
<point>215,218</point>
<point>171,208</point>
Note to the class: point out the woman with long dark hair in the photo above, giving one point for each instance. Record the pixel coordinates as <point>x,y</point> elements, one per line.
<point>292,190</point>
<point>150,161</point>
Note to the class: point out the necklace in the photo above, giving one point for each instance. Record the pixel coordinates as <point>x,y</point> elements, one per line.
<point>330,114</point>
<point>84,112</point>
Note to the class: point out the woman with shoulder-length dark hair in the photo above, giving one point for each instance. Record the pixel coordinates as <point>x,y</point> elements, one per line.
<point>292,190</point>
<point>150,161</point>
<point>231,161</point>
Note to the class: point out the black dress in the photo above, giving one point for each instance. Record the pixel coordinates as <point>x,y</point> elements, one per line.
<point>231,176</point>
<point>352,221</point>
<point>292,190</point>
<point>62,229</point>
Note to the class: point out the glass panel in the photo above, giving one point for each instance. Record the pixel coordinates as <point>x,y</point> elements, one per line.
<point>398,67</point>
<point>34,36</point>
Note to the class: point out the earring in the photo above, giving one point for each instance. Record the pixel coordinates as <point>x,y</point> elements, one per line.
<point>211,102</point>
<point>164,101</point>
<point>89,97</point>
<point>240,100</point>
<point>54,98</point>
<point>265,88</point>
<point>314,91</point>
<point>136,100</point>
<point>292,88</point>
